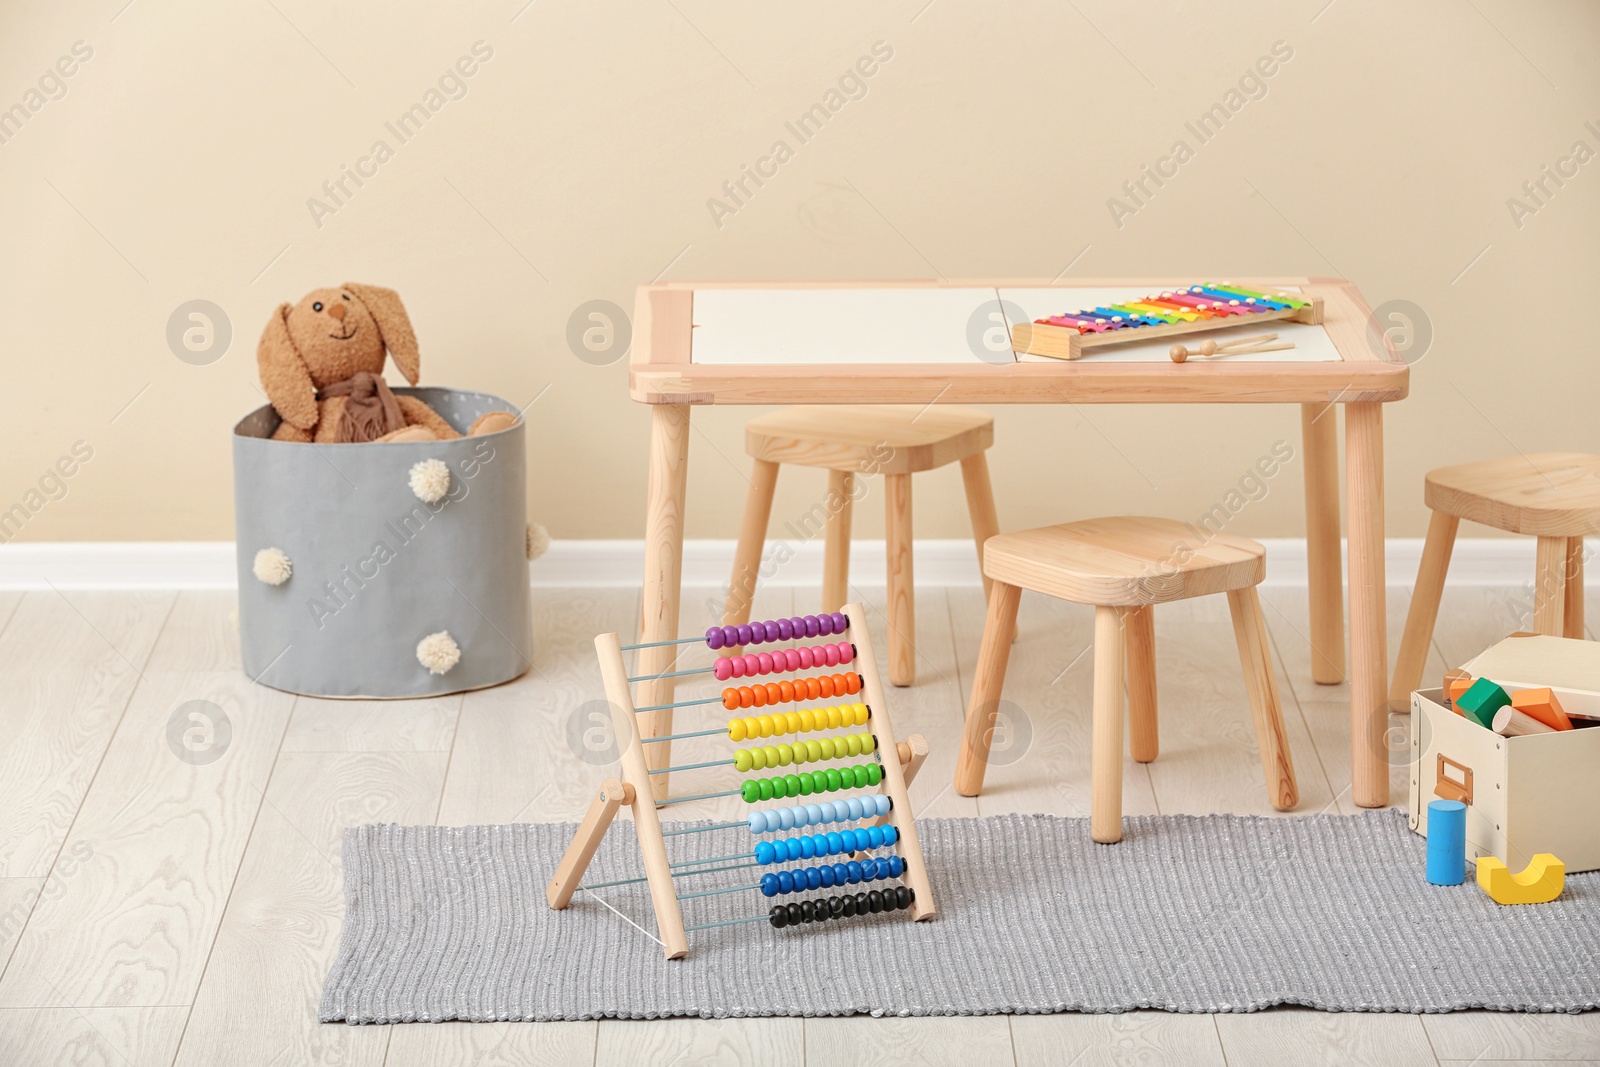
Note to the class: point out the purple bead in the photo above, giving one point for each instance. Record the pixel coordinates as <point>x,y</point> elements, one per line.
<point>771,630</point>
<point>730,636</point>
<point>714,637</point>
<point>840,623</point>
<point>785,630</point>
<point>745,633</point>
<point>814,626</point>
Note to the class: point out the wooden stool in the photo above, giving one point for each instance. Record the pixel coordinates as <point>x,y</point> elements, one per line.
<point>1552,495</point>
<point>896,442</point>
<point>1123,566</point>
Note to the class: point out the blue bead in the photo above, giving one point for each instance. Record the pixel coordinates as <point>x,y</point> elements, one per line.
<point>841,874</point>
<point>875,836</point>
<point>882,800</point>
<point>765,854</point>
<point>863,839</point>
<point>786,881</point>
<point>826,874</point>
<point>897,866</point>
<point>856,811</point>
<point>853,868</point>
<point>813,878</point>
<point>791,849</point>
<point>835,843</point>
<point>814,814</point>
<point>890,834</point>
<point>883,865</point>
<point>808,847</point>
<point>769,885</point>
<point>786,818</point>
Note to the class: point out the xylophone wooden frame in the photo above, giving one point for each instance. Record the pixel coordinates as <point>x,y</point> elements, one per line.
<point>633,789</point>
<point>1062,342</point>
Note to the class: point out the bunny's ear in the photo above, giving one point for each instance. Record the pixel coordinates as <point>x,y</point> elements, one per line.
<point>394,324</point>
<point>284,375</point>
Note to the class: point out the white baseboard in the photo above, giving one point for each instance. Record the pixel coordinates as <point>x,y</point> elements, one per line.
<point>619,564</point>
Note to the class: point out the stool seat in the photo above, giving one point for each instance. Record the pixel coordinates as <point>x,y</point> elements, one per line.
<point>874,439</point>
<point>1550,494</point>
<point>1124,561</point>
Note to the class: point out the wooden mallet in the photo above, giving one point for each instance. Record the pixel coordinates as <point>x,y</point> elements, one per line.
<point>1237,346</point>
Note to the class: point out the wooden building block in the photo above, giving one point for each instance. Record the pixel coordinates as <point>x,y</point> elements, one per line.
<point>1481,700</point>
<point>1455,683</point>
<point>1539,883</point>
<point>1541,704</point>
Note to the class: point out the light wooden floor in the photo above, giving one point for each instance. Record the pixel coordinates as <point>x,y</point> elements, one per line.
<point>157,912</point>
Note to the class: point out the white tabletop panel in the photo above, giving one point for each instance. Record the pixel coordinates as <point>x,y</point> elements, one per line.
<point>823,326</point>
<point>1312,344</point>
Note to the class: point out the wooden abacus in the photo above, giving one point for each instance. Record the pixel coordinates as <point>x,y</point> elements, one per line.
<point>884,811</point>
<point>1169,313</point>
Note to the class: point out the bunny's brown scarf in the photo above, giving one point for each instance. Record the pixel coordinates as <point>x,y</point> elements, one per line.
<point>370,409</point>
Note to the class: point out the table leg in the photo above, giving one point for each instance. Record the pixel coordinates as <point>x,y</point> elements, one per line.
<point>663,575</point>
<point>1319,436</point>
<point>1369,660</point>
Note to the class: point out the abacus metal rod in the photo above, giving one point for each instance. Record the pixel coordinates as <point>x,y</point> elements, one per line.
<point>681,874</point>
<point>672,674</point>
<point>713,859</point>
<point>729,922</point>
<point>694,766</point>
<point>706,829</point>
<point>679,737</point>
<point>698,796</point>
<point>723,889</point>
<point>679,704</point>
<point>658,644</point>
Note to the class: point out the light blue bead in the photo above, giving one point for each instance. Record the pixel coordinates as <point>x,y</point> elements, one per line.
<point>882,800</point>
<point>786,818</point>
<point>758,822</point>
<point>814,814</point>
<point>855,807</point>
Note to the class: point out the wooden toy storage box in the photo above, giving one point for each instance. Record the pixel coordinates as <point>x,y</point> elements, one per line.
<point>1536,793</point>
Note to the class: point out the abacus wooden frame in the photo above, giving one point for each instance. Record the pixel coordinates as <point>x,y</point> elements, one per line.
<point>633,789</point>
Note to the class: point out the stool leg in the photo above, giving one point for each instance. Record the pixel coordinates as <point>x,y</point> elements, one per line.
<point>987,681</point>
<point>1250,631</point>
<point>1139,631</point>
<point>1105,772</point>
<point>836,542</point>
<point>752,536</point>
<point>1424,610</point>
<point>902,606</point>
<point>980,505</point>
<point>1550,585</point>
<point>1572,615</point>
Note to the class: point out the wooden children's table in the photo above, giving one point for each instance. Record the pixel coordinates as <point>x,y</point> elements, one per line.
<point>947,342</point>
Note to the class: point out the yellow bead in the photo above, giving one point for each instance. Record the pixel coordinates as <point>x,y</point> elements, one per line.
<point>869,744</point>
<point>752,729</point>
<point>814,750</point>
<point>771,752</point>
<point>862,714</point>
<point>735,729</point>
<point>785,755</point>
<point>807,721</point>
<point>835,718</point>
<point>793,721</point>
<point>766,724</point>
<point>742,761</point>
<point>826,744</point>
<point>852,745</point>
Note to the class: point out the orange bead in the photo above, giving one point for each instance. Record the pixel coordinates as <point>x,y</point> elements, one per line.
<point>813,689</point>
<point>730,698</point>
<point>826,684</point>
<point>786,688</point>
<point>747,697</point>
<point>774,694</point>
<point>854,681</point>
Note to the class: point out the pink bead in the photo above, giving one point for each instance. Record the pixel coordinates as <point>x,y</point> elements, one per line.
<point>847,652</point>
<point>724,669</point>
<point>765,660</point>
<point>830,655</point>
<point>752,665</point>
<point>791,659</point>
<point>807,659</point>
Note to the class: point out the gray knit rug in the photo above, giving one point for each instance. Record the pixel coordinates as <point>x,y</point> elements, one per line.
<point>1189,913</point>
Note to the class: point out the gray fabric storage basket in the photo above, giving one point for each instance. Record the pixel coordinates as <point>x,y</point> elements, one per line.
<point>374,568</point>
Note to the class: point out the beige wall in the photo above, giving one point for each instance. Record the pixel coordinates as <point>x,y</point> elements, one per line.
<point>580,162</point>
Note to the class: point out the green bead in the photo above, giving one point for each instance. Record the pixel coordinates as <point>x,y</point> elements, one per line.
<point>808,783</point>
<point>791,786</point>
<point>751,792</point>
<point>765,786</point>
<point>835,780</point>
<point>874,773</point>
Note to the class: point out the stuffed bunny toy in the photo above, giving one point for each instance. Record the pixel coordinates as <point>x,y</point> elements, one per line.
<point>321,364</point>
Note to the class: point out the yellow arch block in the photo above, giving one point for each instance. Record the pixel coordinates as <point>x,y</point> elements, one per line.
<point>1539,883</point>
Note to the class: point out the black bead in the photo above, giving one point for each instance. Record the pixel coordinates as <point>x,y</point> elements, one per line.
<point>902,897</point>
<point>793,911</point>
<point>778,917</point>
<point>875,901</point>
<point>861,904</point>
<point>835,907</point>
<point>847,905</point>
<point>808,911</point>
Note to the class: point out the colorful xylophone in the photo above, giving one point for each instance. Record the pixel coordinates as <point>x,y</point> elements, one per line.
<point>877,800</point>
<point>1168,313</point>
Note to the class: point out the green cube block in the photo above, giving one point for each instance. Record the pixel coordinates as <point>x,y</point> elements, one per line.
<point>1481,700</point>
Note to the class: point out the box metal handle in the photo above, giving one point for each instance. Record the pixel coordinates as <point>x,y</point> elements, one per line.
<point>1449,788</point>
